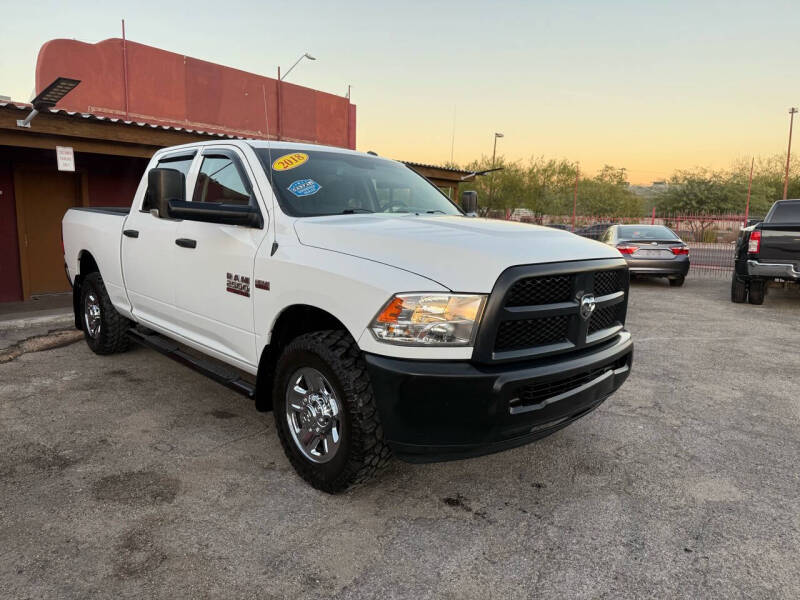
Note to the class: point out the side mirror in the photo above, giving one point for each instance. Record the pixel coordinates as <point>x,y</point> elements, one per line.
<point>164,185</point>
<point>214,212</point>
<point>469,202</point>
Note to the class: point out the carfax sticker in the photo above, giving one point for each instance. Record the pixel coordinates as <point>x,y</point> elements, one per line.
<point>304,187</point>
<point>289,161</point>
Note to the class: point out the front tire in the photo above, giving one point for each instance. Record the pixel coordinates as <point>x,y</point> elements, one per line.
<point>325,412</point>
<point>104,329</point>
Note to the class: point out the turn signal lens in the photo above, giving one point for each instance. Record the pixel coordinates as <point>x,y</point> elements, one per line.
<point>392,312</point>
<point>627,249</point>
<point>429,319</point>
<point>680,249</point>
<point>754,245</point>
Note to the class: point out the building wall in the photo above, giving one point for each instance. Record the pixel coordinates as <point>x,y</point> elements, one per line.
<point>109,181</point>
<point>112,180</point>
<point>172,89</point>
<point>10,278</point>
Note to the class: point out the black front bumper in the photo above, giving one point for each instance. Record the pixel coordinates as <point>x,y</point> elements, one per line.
<point>444,410</point>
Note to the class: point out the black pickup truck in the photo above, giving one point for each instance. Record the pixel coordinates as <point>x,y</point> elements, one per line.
<point>768,251</point>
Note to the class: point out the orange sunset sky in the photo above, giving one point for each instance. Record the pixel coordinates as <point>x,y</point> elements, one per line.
<point>652,87</point>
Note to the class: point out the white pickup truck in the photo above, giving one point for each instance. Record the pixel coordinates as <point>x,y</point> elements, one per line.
<point>350,296</point>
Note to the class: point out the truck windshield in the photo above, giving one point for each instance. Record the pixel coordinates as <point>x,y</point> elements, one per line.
<point>314,183</point>
<point>784,212</point>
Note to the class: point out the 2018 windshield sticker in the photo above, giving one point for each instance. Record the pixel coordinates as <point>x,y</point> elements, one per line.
<point>289,161</point>
<point>304,187</point>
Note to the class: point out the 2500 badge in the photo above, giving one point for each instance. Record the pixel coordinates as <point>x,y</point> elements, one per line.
<point>238,284</point>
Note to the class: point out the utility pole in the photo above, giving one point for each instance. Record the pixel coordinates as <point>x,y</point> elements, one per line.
<point>491,181</point>
<point>792,112</point>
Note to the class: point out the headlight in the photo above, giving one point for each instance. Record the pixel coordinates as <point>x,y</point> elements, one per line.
<point>429,319</point>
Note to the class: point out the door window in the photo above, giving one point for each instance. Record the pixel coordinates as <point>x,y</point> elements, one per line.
<point>221,179</point>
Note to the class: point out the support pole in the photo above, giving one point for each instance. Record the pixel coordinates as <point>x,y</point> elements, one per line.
<point>749,189</point>
<point>280,105</point>
<point>792,112</point>
<point>125,68</point>
<point>575,197</point>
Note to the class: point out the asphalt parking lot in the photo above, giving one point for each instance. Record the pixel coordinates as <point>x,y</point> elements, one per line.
<point>130,476</point>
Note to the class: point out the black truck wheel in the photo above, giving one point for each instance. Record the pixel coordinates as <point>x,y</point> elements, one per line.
<point>103,327</point>
<point>758,289</point>
<point>738,290</point>
<point>325,412</point>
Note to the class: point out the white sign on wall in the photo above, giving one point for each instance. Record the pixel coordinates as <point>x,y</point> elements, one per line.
<point>66,158</point>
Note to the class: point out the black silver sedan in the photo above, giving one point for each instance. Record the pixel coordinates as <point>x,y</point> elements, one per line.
<point>651,251</point>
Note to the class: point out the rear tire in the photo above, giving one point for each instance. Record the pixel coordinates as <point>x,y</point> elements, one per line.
<point>105,330</point>
<point>322,395</point>
<point>677,281</point>
<point>757,291</point>
<point>738,290</point>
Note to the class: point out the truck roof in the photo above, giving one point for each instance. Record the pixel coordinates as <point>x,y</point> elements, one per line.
<point>274,145</point>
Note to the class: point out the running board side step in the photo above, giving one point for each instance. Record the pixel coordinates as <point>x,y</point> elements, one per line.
<point>218,373</point>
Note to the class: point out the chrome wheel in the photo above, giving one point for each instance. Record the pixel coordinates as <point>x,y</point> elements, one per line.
<point>91,314</point>
<point>313,414</point>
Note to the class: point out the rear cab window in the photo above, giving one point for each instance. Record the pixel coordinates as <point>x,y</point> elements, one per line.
<point>784,212</point>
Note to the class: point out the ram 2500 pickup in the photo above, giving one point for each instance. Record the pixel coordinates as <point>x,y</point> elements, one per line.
<point>350,296</point>
<point>768,252</point>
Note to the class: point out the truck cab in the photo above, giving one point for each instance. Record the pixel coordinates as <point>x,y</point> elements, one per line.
<point>357,301</point>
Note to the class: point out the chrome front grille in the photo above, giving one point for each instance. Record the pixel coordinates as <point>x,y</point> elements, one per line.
<point>535,310</point>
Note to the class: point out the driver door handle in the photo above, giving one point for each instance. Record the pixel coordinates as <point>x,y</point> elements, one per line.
<point>186,243</point>
<point>132,233</point>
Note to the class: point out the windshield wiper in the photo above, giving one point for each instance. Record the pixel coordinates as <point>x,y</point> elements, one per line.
<point>350,211</point>
<point>430,212</point>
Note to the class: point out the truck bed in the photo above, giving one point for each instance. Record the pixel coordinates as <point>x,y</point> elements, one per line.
<point>106,210</point>
<point>96,233</point>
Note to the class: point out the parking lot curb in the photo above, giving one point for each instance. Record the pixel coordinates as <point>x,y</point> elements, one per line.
<point>63,318</point>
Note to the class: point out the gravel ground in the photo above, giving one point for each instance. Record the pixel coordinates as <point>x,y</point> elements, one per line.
<point>130,476</point>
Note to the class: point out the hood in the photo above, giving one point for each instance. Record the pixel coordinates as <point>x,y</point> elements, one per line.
<point>463,254</point>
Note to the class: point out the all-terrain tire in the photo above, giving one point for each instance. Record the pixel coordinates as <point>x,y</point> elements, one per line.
<point>677,281</point>
<point>362,451</point>
<point>757,291</point>
<point>738,290</point>
<point>112,336</point>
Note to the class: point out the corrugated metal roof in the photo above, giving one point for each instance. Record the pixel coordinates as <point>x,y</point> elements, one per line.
<point>450,169</point>
<point>92,117</point>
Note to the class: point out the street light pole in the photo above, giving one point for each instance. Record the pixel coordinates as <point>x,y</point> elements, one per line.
<point>792,112</point>
<point>278,88</point>
<point>494,155</point>
<point>306,55</point>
